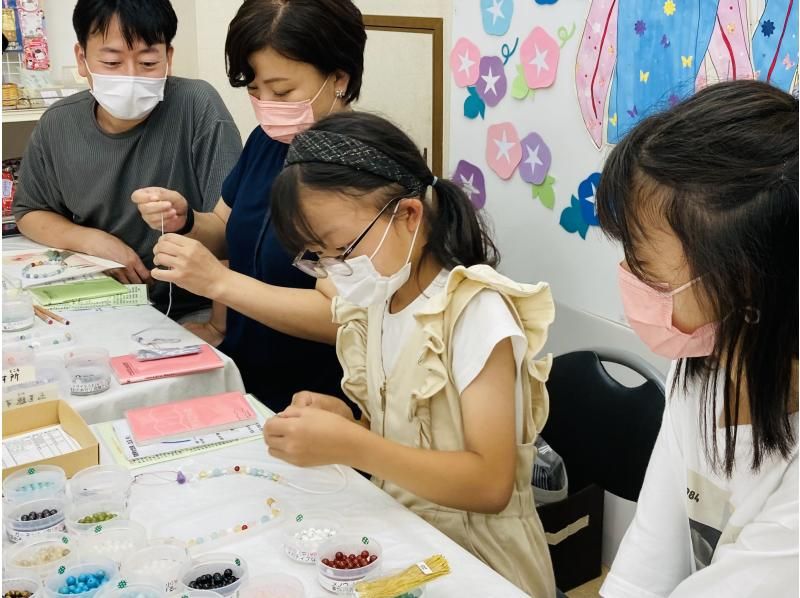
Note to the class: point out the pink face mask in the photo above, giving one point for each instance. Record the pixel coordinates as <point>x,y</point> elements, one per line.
<point>283,120</point>
<point>649,313</point>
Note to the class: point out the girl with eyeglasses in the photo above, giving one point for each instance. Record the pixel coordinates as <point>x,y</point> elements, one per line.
<point>438,350</point>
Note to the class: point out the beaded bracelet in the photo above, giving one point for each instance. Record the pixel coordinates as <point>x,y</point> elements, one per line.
<point>52,259</point>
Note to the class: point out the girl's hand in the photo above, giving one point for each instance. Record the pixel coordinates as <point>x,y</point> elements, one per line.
<point>307,437</point>
<point>324,402</point>
<point>191,265</point>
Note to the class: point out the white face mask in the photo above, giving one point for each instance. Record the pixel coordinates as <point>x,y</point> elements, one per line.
<point>125,97</point>
<point>366,286</point>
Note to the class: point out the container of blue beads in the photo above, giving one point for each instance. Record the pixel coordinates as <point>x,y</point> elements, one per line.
<point>38,556</point>
<point>40,481</point>
<point>34,517</point>
<point>84,580</point>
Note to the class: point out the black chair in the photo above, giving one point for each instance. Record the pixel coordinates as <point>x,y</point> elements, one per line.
<point>602,429</point>
<point>605,433</point>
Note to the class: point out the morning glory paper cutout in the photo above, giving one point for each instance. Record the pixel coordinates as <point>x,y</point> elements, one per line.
<point>545,193</point>
<point>546,1</point>
<point>571,219</point>
<point>470,178</point>
<point>503,151</point>
<point>474,106</point>
<point>497,16</point>
<point>536,159</point>
<point>492,83</point>
<point>464,59</point>
<point>539,56</point>
<point>586,196</point>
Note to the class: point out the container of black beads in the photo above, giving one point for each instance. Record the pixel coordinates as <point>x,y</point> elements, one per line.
<point>20,587</point>
<point>41,481</point>
<point>223,573</point>
<point>33,518</point>
<point>89,371</point>
<point>38,556</point>
<point>85,579</point>
<point>83,517</point>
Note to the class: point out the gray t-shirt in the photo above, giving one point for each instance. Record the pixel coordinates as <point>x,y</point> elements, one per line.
<point>189,144</point>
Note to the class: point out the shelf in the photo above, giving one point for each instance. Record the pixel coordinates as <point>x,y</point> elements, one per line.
<point>22,116</point>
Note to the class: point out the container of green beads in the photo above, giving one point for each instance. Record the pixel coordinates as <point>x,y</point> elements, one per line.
<point>34,517</point>
<point>84,516</point>
<point>39,556</point>
<point>40,481</point>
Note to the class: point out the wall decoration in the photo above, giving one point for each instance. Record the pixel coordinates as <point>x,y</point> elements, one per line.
<point>497,16</point>
<point>470,178</point>
<point>503,152</point>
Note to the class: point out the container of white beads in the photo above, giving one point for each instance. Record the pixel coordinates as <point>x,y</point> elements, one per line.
<point>20,585</point>
<point>101,481</point>
<point>17,308</point>
<point>89,371</point>
<point>40,481</point>
<point>84,516</point>
<point>39,556</point>
<point>159,564</point>
<point>116,539</point>
<point>306,531</point>
<point>75,580</point>
<point>124,588</point>
<point>211,564</point>
<point>33,518</point>
<point>273,585</point>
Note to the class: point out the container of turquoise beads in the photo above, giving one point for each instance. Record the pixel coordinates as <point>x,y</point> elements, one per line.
<point>40,481</point>
<point>33,518</point>
<point>84,580</point>
<point>38,556</point>
<point>84,516</point>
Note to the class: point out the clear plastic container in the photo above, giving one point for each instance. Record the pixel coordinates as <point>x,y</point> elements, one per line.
<point>160,564</point>
<point>21,584</point>
<point>100,481</point>
<point>199,594</point>
<point>273,585</point>
<point>83,517</point>
<point>89,371</point>
<point>41,340</point>
<point>306,532</point>
<point>39,481</point>
<point>116,539</point>
<point>125,589</point>
<point>209,564</point>
<point>17,308</point>
<point>57,582</point>
<point>342,581</point>
<point>19,526</point>
<point>38,556</point>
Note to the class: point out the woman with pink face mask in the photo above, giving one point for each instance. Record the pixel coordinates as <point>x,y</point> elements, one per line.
<point>703,198</point>
<point>300,60</point>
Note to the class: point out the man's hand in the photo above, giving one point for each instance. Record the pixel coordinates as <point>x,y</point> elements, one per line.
<point>155,202</point>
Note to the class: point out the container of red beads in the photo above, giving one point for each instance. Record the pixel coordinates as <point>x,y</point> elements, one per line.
<point>34,517</point>
<point>344,561</point>
<point>219,572</point>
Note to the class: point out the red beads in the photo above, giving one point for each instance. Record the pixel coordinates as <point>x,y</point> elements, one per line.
<point>244,526</point>
<point>350,561</point>
<point>237,469</point>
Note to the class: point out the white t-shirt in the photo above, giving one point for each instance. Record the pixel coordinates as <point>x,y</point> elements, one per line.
<point>697,533</point>
<point>485,321</point>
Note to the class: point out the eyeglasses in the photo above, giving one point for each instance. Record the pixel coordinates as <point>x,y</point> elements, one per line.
<point>320,267</point>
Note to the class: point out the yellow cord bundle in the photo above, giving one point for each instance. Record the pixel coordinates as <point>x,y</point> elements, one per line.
<point>415,576</point>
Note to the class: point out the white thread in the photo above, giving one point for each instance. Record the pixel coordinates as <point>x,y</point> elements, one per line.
<point>169,305</point>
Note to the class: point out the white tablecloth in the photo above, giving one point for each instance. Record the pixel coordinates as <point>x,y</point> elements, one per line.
<point>111,329</point>
<point>363,508</point>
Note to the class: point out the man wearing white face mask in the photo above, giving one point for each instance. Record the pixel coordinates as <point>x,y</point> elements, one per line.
<point>137,127</point>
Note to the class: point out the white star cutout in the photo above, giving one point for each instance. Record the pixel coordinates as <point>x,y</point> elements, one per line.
<point>466,63</point>
<point>490,80</point>
<point>533,158</point>
<point>591,198</point>
<point>496,10</point>
<point>503,146</point>
<point>540,61</point>
<point>468,185</point>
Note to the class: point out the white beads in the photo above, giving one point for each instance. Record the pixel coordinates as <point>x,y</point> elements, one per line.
<point>43,556</point>
<point>314,535</point>
<point>157,567</point>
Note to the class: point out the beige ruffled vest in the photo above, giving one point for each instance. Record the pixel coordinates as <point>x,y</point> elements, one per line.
<point>418,405</point>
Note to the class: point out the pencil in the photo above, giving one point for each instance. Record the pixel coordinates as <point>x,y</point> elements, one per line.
<point>52,315</point>
<point>41,316</point>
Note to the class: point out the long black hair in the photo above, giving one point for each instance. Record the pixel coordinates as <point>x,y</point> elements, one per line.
<point>457,234</point>
<point>721,169</point>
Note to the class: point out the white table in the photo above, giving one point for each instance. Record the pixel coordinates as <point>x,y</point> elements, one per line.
<point>363,508</point>
<point>111,329</point>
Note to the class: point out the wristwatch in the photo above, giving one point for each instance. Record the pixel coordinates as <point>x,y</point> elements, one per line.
<point>187,228</point>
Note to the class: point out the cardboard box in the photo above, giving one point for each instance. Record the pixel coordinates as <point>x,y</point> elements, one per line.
<point>50,413</point>
<point>574,531</point>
